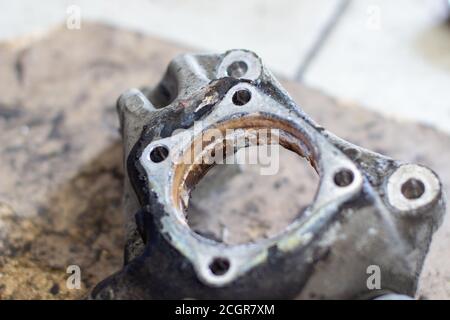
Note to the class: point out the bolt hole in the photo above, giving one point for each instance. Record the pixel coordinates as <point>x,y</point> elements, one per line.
<point>219,266</point>
<point>343,177</point>
<point>241,97</point>
<point>413,189</point>
<point>237,69</point>
<point>159,154</point>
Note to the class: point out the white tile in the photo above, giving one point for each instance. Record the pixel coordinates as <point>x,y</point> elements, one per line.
<point>279,31</point>
<point>399,67</point>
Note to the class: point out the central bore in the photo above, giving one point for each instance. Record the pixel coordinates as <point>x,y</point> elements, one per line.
<point>234,203</point>
<point>245,201</point>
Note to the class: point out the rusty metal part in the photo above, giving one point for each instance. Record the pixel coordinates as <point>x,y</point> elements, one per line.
<point>368,209</point>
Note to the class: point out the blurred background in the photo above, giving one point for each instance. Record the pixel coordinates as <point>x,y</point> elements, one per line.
<point>389,56</point>
<point>374,72</point>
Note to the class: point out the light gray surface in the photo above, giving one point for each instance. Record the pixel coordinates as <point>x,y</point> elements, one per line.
<point>390,56</point>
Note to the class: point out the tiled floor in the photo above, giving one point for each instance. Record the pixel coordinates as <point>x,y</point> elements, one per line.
<point>400,67</point>
<point>390,56</point>
<point>280,32</point>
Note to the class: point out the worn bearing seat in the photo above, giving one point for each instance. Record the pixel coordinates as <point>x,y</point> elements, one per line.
<point>369,210</point>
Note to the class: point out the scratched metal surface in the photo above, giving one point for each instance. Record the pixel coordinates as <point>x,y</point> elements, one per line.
<point>61,159</point>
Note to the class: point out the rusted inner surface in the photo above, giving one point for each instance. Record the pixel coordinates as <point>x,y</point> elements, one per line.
<point>235,204</point>
<point>193,165</point>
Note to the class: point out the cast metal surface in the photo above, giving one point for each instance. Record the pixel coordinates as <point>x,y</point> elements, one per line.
<point>368,209</point>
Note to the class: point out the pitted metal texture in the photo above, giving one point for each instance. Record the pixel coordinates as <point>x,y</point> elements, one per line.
<point>368,209</point>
